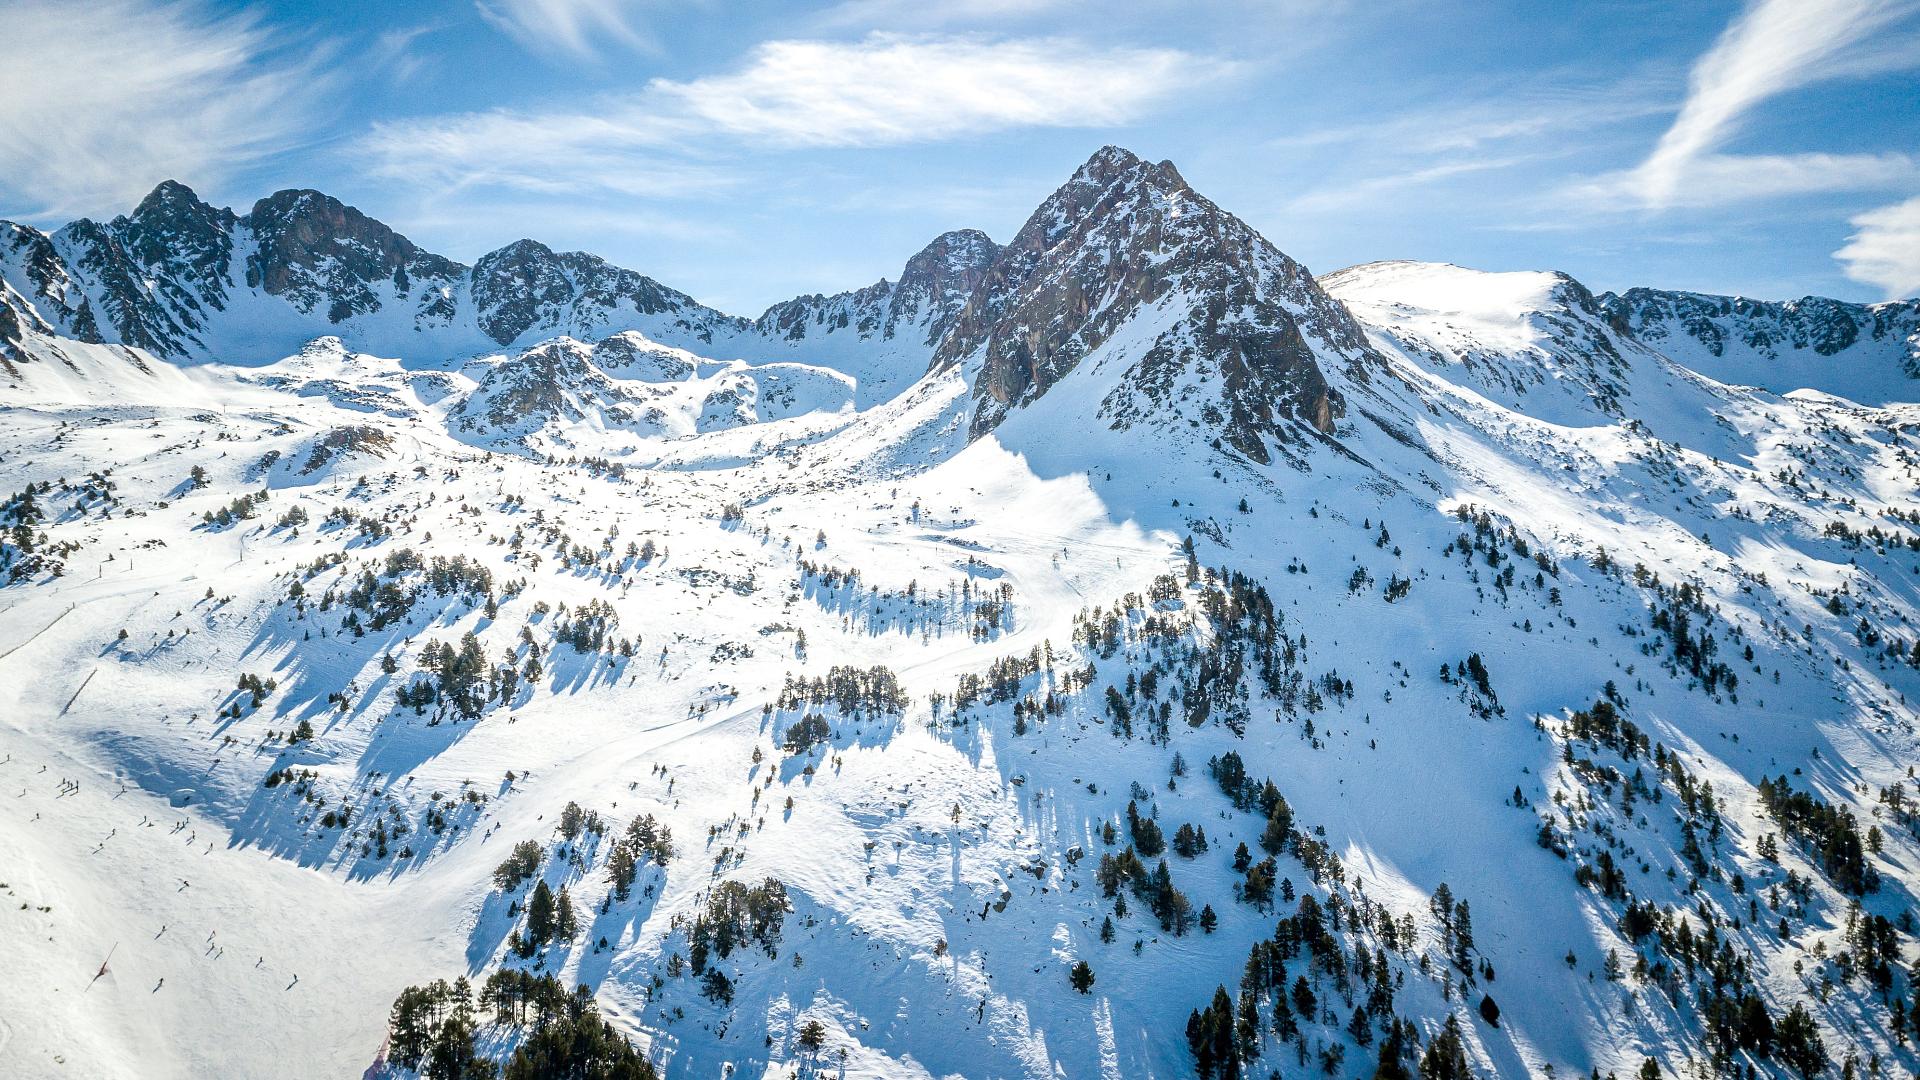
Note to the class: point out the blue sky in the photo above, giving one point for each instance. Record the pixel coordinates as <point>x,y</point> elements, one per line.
<point>746,152</point>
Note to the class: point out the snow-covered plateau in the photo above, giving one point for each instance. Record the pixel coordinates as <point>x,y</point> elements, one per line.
<point>1115,653</point>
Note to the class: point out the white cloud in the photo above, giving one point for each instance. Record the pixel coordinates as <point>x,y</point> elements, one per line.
<point>619,151</point>
<point>886,89</point>
<point>919,14</point>
<point>882,90</point>
<point>1372,190</point>
<point>577,28</point>
<point>1885,251</point>
<point>1773,47</point>
<point>1526,115</point>
<point>393,51</point>
<point>1723,179</point>
<point>101,100</point>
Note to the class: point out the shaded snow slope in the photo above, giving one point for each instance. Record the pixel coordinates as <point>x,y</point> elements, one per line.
<point>349,627</point>
<point>1866,352</point>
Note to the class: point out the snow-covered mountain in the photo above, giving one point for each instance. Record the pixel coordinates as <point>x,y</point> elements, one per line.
<point>885,334</point>
<point>564,390</point>
<point>1865,352</point>
<point>1115,653</point>
<point>1126,265</point>
<point>186,281</point>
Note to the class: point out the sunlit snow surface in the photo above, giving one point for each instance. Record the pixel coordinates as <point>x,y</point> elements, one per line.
<point>1497,392</point>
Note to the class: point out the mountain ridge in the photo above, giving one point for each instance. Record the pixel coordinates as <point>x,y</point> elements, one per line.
<point>166,275</point>
<point>820,716</point>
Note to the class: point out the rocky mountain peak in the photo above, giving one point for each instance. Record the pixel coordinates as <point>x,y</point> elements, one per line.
<point>949,259</point>
<point>1123,238</point>
<point>311,248</point>
<point>1111,172</point>
<point>1781,345</point>
<point>173,228</point>
<point>514,286</point>
<point>171,200</point>
<point>525,251</point>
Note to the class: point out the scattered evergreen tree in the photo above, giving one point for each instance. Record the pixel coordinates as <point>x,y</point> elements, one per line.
<point>1081,977</point>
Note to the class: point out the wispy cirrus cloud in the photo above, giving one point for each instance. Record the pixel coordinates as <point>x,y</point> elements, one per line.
<point>98,101</point>
<point>1723,179</point>
<point>1372,189</point>
<point>1524,115</point>
<point>918,14</point>
<point>888,90</point>
<point>1885,249</point>
<point>394,51</point>
<point>575,28</point>
<point>883,90</point>
<point>1379,160</point>
<point>1773,47</point>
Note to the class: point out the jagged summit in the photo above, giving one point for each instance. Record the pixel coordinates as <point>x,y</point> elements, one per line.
<point>189,281</point>
<point>1183,306</point>
<point>1126,257</point>
<point>171,201</point>
<point>996,714</point>
<point>1867,352</point>
<point>932,286</point>
<point>320,253</point>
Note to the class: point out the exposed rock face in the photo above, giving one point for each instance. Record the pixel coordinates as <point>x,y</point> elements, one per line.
<point>40,280</point>
<point>556,381</point>
<point>937,283</point>
<point>1869,352</point>
<point>162,277</point>
<point>16,317</point>
<point>543,396</point>
<point>630,355</point>
<point>1815,322</point>
<point>1127,252</point>
<point>933,287</point>
<point>317,252</point>
<point>348,439</point>
<point>172,230</point>
<point>517,286</point>
<point>527,286</point>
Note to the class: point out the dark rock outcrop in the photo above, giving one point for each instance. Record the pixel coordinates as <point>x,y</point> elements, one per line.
<point>1128,248</point>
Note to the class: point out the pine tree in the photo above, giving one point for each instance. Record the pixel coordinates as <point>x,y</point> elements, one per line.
<point>1393,1050</point>
<point>1081,977</point>
<point>621,869</point>
<point>540,915</point>
<point>813,1035</point>
<point>1446,1056</point>
<point>1279,825</point>
<point>1798,1043</point>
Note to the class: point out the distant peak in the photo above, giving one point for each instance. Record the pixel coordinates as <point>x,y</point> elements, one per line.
<point>168,193</point>
<point>291,197</point>
<point>520,250</point>
<point>1111,163</point>
<point>172,204</point>
<point>960,249</point>
<point>960,239</point>
<point>291,204</point>
<point>1107,162</point>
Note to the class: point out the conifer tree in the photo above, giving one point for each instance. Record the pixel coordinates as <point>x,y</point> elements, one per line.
<point>540,915</point>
